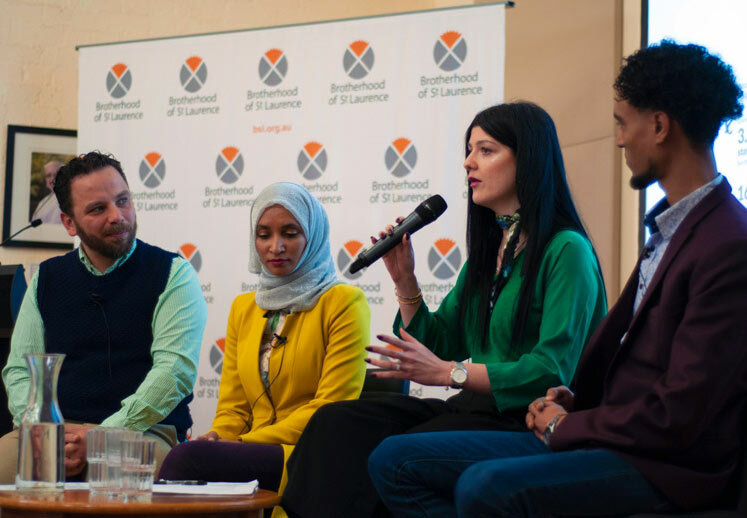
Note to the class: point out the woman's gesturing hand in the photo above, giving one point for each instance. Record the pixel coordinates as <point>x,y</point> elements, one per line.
<point>414,362</point>
<point>399,261</point>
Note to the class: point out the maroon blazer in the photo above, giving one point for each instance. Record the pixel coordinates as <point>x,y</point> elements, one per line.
<point>666,388</point>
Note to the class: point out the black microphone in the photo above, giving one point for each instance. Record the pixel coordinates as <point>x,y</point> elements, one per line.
<point>34,223</point>
<point>97,299</point>
<point>647,251</point>
<point>281,339</point>
<point>423,214</point>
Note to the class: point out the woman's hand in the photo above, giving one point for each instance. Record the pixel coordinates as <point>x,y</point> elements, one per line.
<point>400,263</point>
<point>210,436</point>
<point>416,362</point>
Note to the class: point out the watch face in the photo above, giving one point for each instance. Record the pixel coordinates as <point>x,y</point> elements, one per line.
<point>459,376</point>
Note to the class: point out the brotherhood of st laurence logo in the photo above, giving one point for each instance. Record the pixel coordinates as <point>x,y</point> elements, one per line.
<point>118,80</point>
<point>273,66</point>
<point>346,255</point>
<point>216,355</point>
<point>400,157</point>
<point>229,165</point>
<point>358,59</point>
<point>450,51</point>
<point>193,74</point>
<point>190,253</point>
<point>152,170</point>
<point>312,160</point>
<point>444,259</point>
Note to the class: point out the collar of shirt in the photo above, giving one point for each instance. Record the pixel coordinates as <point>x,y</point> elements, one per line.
<point>92,269</point>
<point>666,219</point>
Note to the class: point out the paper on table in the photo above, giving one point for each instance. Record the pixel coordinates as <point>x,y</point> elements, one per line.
<point>211,488</point>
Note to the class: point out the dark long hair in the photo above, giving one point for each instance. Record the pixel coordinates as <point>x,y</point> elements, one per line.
<point>546,208</point>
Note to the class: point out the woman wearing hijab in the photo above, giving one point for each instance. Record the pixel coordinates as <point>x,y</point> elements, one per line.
<point>292,346</point>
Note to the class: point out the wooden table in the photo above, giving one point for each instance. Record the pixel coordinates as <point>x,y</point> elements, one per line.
<point>79,503</point>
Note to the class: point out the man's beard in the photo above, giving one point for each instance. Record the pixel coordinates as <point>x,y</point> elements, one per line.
<point>105,248</point>
<point>641,181</point>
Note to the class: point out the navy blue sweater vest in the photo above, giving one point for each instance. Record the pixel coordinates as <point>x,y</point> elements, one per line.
<point>103,326</point>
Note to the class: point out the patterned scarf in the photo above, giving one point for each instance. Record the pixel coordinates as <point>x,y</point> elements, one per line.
<point>512,224</point>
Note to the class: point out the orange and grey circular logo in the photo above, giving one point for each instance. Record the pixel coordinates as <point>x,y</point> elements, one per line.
<point>346,255</point>
<point>190,252</point>
<point>444,259</point>
<point>273,66</point>
<point>217,349</point>
<point>193,74</point>
<point>152,170</point>
<point>118,80</point>
<point>400,157</point>
<point>358,59</point>
<point>450,51</point>
<point>229,165</point>
<point>312,160</point>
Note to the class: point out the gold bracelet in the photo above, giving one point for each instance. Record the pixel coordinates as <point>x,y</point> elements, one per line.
<point>409,301</point>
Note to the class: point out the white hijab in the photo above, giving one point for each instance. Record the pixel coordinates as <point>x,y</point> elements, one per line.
<point>315,272</point>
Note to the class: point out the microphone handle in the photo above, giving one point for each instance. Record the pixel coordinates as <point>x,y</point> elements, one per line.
<point>410,224</point>
<point>32,224</point>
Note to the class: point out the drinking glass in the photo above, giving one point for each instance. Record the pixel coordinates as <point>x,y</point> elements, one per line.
<point>114,438</point>
<point>96,459</point>
<point>138,467</point>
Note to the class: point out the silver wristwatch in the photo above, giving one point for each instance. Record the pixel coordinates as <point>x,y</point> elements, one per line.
<point>551,428</point>
<point>458,375</point>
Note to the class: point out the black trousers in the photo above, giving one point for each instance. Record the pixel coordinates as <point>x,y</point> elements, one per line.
<point>328,470</point>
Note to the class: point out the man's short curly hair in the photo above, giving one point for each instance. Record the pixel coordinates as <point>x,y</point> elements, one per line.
<point>692,86</point>
<point>80,165</point>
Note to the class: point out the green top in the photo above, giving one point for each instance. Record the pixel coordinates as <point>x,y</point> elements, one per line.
<point>568,304</point>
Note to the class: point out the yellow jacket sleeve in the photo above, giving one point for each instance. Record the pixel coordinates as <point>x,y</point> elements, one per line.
<point>233,415</point>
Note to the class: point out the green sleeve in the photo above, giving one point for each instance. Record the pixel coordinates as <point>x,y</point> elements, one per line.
<point>439,330</point>
<point>573,303</point>
<point>28,337</point>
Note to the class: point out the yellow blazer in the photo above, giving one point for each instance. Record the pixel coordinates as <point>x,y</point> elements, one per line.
<point>321,362</point>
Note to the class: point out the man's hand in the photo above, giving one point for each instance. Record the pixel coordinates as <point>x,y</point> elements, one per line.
<point>541,412</point>
<point>561,395</point>
<point>75,448</point>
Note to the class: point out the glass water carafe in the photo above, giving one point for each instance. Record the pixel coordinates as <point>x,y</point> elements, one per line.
<point>41,441</point>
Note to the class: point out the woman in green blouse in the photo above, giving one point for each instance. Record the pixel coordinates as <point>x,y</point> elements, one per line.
<point>526,301</point>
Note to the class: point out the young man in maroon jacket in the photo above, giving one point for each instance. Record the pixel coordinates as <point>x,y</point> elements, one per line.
<point>656,421</point>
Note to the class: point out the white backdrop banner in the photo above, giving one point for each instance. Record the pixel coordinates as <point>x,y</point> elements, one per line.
<point>368,114</point>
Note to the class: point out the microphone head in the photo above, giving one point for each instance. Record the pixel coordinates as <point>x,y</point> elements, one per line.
<point>431,208</point>
<point>36,222</point>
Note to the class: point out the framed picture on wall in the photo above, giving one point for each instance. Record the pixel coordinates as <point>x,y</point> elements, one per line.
<point>33,157</point>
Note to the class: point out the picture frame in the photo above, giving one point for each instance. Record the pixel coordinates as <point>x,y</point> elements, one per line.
<point>33,156</point>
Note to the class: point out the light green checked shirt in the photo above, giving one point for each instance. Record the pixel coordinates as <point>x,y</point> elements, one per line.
<point>178,323</point>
